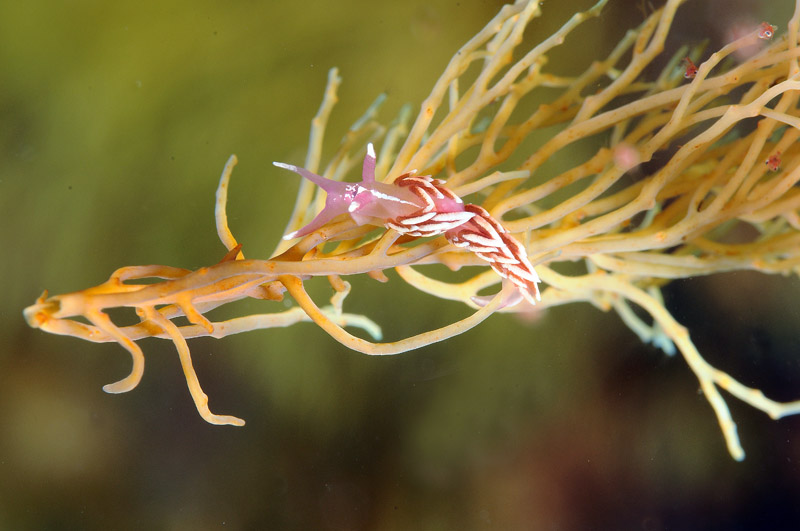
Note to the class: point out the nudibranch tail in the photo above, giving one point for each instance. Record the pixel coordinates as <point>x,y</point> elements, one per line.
<point>491,241</point>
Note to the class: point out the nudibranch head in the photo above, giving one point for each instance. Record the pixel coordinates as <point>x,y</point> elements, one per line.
<point>366,201</point>
<point>340,196</point>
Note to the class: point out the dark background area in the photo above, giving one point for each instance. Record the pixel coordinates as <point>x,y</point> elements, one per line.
<point>115,122</point>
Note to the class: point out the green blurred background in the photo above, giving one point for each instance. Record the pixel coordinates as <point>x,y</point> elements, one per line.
<point>115,122</point>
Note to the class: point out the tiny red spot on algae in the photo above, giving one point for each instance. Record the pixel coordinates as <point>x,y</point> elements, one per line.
<point>766,31</point>
<point>691,68</point>
<point>774,161</point>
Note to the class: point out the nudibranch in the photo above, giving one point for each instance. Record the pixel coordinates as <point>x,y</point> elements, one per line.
<point>421,206</point>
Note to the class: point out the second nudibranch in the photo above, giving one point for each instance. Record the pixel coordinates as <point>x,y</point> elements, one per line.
<point>421,206</point>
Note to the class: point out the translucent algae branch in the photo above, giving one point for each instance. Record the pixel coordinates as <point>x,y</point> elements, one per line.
<point>724,128</point>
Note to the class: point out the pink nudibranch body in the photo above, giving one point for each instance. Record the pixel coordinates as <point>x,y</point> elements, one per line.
<point>421,206</point>
<point>373,202</point>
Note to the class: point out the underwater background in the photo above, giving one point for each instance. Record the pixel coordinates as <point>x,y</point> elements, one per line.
<point>116,119</point>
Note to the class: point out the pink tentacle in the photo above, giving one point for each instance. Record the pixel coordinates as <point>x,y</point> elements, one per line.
<point>368,168</point>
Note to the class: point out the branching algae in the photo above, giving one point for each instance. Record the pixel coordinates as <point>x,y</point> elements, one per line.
<point>728,134</point>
